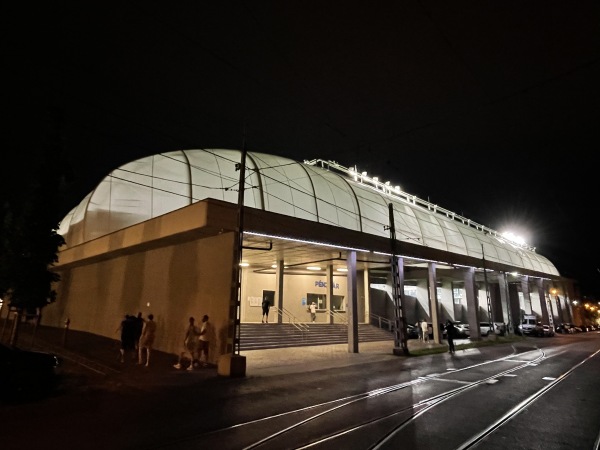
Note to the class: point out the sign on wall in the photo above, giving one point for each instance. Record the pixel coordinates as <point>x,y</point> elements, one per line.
<point>255,301</point>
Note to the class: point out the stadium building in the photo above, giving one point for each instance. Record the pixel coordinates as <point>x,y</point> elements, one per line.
<point>161,235</point>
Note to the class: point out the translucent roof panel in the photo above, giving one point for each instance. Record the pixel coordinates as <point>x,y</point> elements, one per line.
<point>286,186</point>
<point>336,202</point>
<point>159,184</point>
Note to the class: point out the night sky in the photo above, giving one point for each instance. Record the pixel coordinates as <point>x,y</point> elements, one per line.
<point>489,109</point>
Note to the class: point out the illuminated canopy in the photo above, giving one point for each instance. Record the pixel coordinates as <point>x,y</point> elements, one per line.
<point>158,184</point>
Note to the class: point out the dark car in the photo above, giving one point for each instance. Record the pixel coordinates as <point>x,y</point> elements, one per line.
<point>565,328</point>
<point>411,332</point>
<point>26,373</point>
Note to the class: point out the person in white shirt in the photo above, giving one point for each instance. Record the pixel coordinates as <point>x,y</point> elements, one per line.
<point>313,311</point>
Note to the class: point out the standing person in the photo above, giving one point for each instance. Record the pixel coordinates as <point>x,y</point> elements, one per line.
<point>419,330</point>
<point>127,329</point>
<point>424,330</point>
<point>266,304</point>
<point>313,311</point>
<point>205,335</point>
<point>147,339</point>
<point>450,334</point>
<point>138,325</point>
<point>190,345</point>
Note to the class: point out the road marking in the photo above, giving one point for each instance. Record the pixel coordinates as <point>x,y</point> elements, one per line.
<point>494,381</point>
<point>451,368</point>
<point>533,364</point>
<point>509,375</point>
<point>452,381</point>
<point>549,378</point>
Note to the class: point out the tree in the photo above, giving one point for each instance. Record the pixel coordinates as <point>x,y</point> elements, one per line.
<point>30,215</point>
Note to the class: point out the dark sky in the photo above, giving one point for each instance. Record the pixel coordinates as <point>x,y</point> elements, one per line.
<point>490,109</point>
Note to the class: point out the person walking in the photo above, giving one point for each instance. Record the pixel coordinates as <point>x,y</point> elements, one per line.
<point>138,326</point>
<point>419,330</point>
<point>424,330</point>
<point>127,330</point>
<point>147,340</point>
<point>266,304</point>
<point>313,311</point>
<point>190,345</point>
<point>204,340</point>
<point>450,334</point>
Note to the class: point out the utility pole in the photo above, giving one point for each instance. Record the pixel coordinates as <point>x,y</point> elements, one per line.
<point>487,293</point>
<point>400,341</point>
<point>232,363</point>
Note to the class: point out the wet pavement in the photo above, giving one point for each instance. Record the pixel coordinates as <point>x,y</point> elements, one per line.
<point>89,360</point>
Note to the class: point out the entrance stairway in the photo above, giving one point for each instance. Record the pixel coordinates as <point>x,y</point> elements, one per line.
<point>256,336</point>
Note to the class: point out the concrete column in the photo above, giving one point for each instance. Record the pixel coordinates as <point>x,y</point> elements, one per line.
<point>568,302</point>
<point>526,296</point>
<point>546,316</point>
<point>352,303</point>
<point>279,291</point>
<point>554,296</point>
<point>516,311</point>
<point>330,291</point>
<point>367,293</point>
<point>472,304</point>
<point>504,306</point>
<point>433,303</point>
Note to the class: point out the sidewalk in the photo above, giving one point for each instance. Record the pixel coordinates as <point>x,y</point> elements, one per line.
<point>89,358</point>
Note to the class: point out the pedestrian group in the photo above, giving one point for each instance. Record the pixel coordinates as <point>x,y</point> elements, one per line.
<point>138,335</point>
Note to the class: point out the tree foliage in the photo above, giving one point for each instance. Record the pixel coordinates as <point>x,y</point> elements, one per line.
<point>30,214</point>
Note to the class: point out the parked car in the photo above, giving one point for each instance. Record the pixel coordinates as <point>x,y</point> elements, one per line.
<point>411,332</point>
<point>530,326</point>
<point>548,330</point>
<point>462,330</point>
<point>26,373</point>
<point>486,327</point>
<point>564,328</point>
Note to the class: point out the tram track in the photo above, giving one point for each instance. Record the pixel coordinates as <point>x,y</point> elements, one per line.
<point>321,410</point>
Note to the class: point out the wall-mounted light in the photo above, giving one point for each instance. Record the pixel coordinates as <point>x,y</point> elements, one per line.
<point>313,267</point>
<point>342,269</point>
<point>244,264</point>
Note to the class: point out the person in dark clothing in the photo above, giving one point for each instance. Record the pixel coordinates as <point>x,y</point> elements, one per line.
<point>265,310</point>
<point>450,334</point>
<point>128,343</point>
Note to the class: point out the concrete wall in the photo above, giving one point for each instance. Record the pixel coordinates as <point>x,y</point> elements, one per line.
<point>173,283</point>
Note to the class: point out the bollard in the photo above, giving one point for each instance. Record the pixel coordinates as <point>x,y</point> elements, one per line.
<point>65,332</point>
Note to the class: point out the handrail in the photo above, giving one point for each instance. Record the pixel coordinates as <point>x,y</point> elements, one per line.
<point>383,321</point>
<point>284,313</point>
<point>340,317</point>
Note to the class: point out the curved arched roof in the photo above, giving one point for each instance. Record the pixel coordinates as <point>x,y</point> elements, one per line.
<point>155,185</point>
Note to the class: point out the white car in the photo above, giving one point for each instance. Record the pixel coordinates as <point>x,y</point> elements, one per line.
<point>486,327</point>
<point>462,330</point>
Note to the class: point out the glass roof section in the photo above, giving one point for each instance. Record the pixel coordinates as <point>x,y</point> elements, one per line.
<point>313,190</point>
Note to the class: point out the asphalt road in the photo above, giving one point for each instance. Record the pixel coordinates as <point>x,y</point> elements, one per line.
<point>536,393</point>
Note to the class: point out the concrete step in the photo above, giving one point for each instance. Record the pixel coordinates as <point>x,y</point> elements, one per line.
<point>266,336</point>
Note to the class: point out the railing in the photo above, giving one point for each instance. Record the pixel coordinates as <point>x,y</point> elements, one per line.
<point>338,317</point>
<point>382,322</point>
<point>286,315</point>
